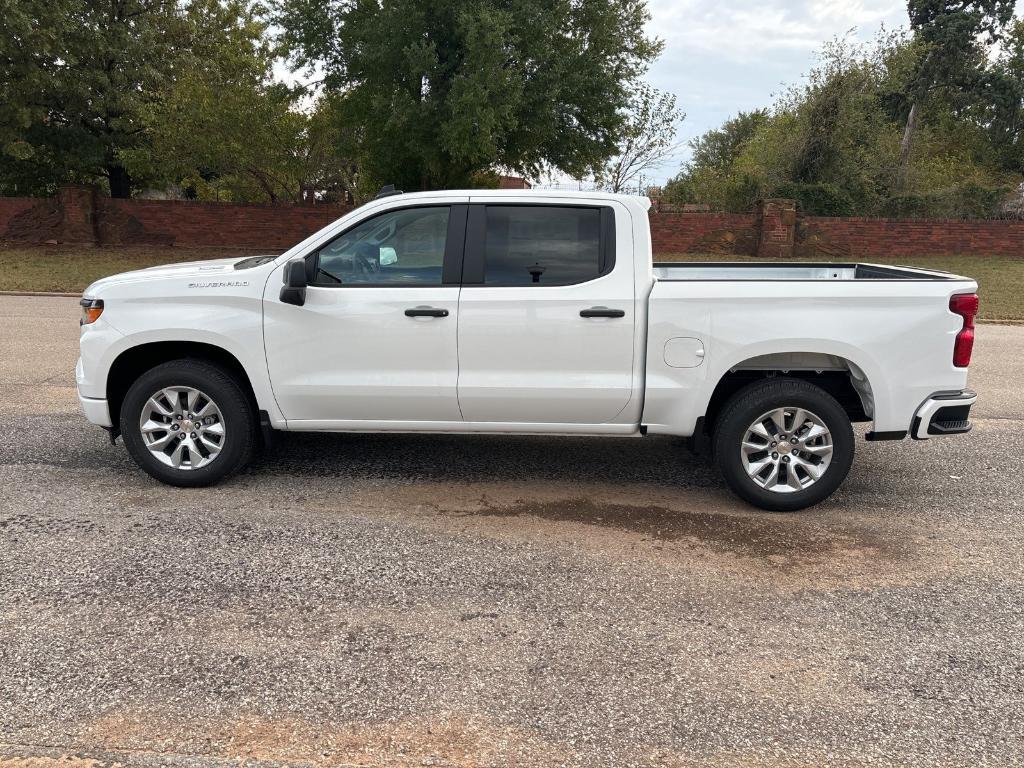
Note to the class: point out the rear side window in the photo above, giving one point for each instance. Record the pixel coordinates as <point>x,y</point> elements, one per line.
<point>542,245</point>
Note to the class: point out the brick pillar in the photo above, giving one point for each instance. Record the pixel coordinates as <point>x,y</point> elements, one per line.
<point>777,218</point>
<point>77,207</point>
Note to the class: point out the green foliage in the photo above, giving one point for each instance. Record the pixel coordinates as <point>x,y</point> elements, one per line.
<point>1003,112</point>
<point>833,143</point>
<point>710,176</point>
<point>966,201</point>
<point>952,41</point>
<point>818,199</point>
<point>953,37</point>
<point>439,90</point>
<point>235,135</point>
<point>718,148</point>
<point>78,76</point>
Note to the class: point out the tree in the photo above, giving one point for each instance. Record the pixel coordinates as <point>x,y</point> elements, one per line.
<point>953,35</point>
<point>1003,113</point>
<point>444,89</point>
<point>198,140</point>
<point>712,156</point>
<point>77,75</point>
<point>232,132</point>
<point>719,147</point>
<point>647,138</point>
<point>833,141</point>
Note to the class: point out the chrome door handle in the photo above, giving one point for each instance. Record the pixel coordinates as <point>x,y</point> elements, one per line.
<point>426,312</point>
<point>602,312</point>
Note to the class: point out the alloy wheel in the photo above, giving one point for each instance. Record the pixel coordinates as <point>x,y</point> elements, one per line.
<point>182,427</point>
<point>786,450</point>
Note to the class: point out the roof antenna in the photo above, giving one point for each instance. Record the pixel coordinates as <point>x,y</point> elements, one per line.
<point>387,191</point>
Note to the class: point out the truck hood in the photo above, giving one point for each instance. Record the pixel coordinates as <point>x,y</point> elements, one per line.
<point>213,270</point>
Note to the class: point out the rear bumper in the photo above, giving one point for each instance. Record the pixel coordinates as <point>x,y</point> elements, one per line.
<point>943,414</point>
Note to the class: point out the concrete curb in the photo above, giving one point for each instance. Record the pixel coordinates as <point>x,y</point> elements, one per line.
<point>41,293</point>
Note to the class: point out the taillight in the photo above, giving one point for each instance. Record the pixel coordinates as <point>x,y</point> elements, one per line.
<point>965,305</point>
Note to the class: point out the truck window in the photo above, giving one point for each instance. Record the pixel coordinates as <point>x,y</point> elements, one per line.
<point>541,245</point>
<point>402,247</point>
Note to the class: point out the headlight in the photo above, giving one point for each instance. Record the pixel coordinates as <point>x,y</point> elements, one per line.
<point>91,310</point>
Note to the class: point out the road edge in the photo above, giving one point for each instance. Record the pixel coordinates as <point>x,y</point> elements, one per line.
<point>42,293</point>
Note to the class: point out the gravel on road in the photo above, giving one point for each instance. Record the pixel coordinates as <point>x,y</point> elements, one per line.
<point>461,601</point>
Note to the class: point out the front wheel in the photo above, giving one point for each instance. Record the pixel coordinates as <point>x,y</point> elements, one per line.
<point>783,444</point>
<point>188,423</point>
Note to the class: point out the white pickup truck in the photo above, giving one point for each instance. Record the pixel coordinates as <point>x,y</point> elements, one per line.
<point>525,312</point>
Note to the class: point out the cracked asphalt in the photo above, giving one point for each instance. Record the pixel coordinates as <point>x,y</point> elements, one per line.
<point>478,601</point>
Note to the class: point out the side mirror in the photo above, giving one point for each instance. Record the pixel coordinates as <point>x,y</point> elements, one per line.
<point>294,291</point>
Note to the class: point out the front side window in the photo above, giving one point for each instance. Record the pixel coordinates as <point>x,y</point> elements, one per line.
<point>403,247</point>
<point>541,245</point>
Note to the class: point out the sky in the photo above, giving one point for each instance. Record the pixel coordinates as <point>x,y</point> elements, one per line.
<point>732,55</point>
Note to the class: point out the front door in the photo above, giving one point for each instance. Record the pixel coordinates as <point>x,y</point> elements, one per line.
<point>546,315</point>
<point>376,339</point>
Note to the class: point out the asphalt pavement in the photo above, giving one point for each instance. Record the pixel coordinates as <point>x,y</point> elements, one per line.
<point>464,601</point>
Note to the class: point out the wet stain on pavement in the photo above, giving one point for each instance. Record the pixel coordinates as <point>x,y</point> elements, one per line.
<point>763,536</point>
<point>694,529</point>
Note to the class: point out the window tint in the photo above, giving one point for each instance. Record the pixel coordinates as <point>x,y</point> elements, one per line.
<point>541,245</point>
<point>404,247</point>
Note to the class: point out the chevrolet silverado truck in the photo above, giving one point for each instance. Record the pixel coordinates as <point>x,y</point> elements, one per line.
<point>525,312</point>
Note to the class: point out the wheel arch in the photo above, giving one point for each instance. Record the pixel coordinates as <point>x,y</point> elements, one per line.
<point>842,378</point>
<point>135,361</point>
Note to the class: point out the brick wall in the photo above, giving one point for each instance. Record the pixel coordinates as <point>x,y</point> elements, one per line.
<point>10,207</point>
<point>724,233</point>
<point>80,215</point>
<point>183,223</point>
<point>777,229</point>
<point>862,238</point>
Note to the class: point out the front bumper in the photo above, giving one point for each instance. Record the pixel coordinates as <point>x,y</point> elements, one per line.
<point>943,414</point>
<point>95,411</point>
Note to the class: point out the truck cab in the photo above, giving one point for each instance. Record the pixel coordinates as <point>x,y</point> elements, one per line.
<point>435,314</point>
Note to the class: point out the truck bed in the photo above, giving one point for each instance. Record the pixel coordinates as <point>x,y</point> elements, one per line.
<point>670,271</point>
<point>889,327</point>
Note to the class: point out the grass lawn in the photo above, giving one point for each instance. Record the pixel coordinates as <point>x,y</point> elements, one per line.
<point>69,269</point>
<point>1000,278</point>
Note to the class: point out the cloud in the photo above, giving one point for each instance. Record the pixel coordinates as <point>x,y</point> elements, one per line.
<point>723,57</point>
<point>744,31</point>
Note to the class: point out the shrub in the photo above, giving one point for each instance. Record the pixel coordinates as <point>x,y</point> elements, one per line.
<point>817,199</point>
<point>967,201</point>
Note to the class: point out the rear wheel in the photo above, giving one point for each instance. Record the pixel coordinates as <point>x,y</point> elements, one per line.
<point>783,444</point>
<point>188,423</point>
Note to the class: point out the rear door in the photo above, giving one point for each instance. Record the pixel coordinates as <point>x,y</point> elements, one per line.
<point>546,315</point>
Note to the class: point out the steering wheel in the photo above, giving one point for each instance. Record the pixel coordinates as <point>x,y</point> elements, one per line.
<point>366,259</point>
<point>365,265</point>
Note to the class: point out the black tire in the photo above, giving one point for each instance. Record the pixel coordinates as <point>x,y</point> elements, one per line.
<point>221,387</point>
<point>741,411</point>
